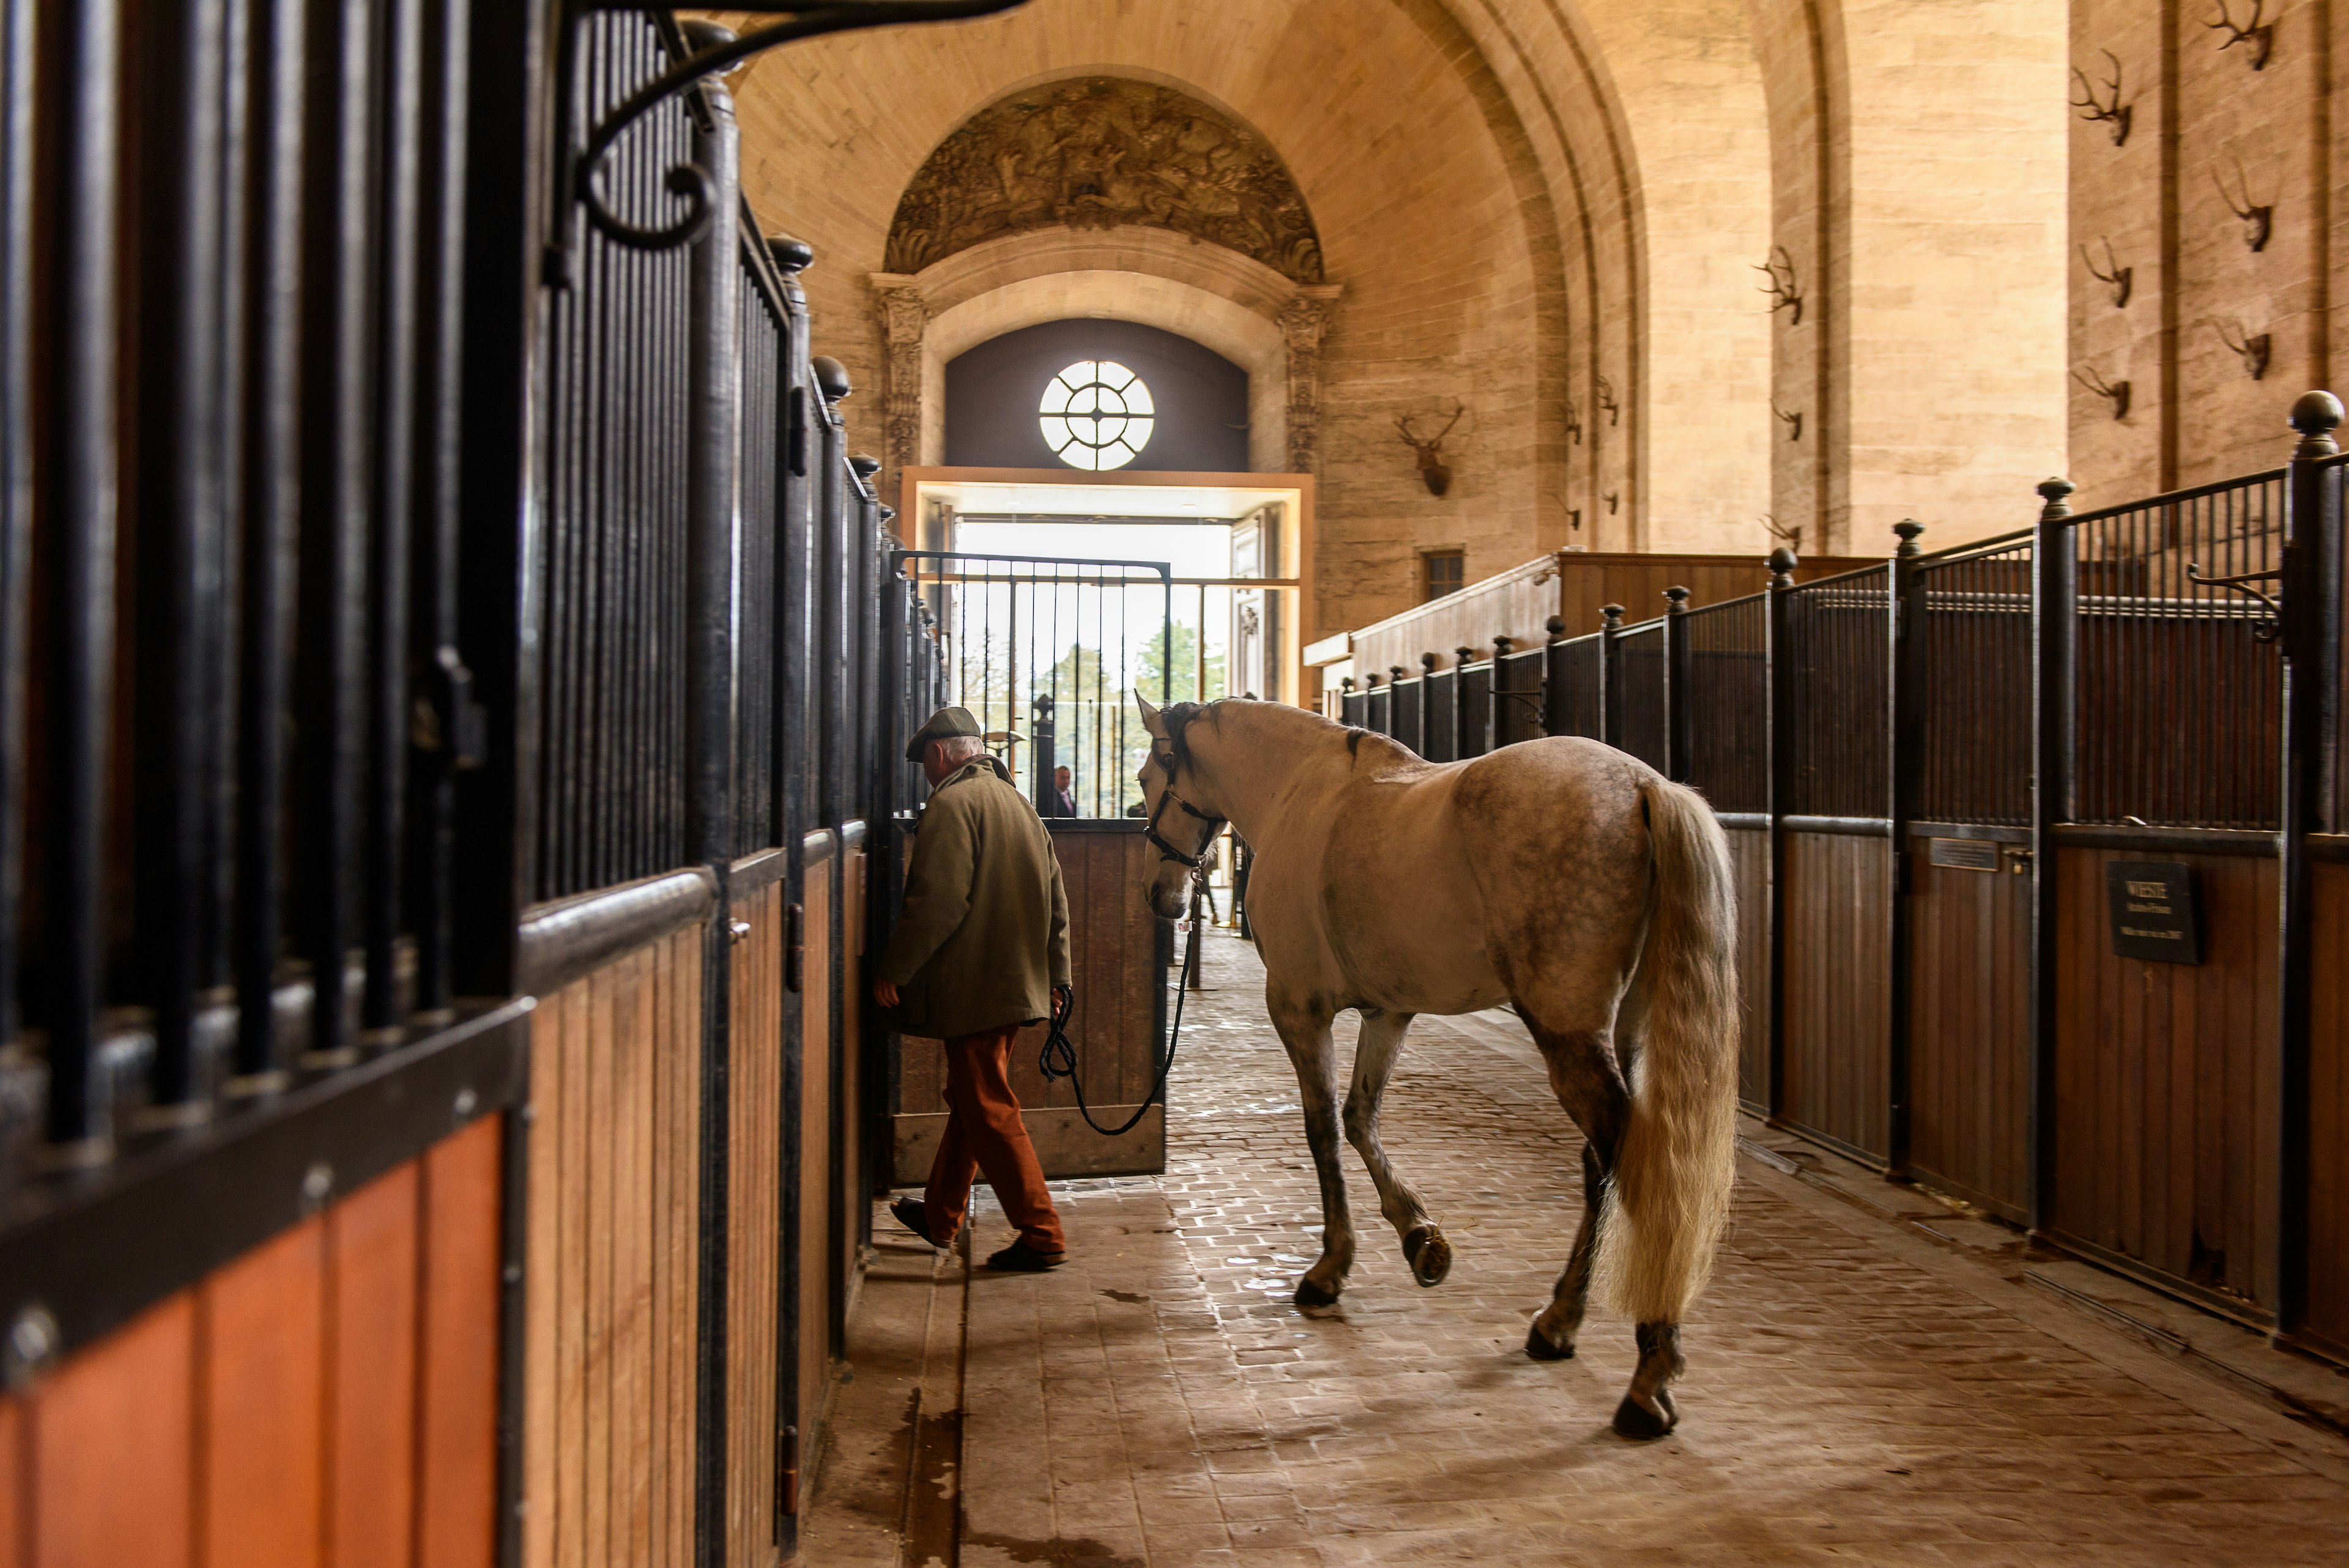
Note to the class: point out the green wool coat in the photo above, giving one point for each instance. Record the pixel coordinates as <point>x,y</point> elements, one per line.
<point>985,933</point>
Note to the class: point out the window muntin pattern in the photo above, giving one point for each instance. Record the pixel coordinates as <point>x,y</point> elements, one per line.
<point>1097,415</point>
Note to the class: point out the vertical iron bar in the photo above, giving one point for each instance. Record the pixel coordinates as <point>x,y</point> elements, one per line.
<point>1556,718</point>
<point>179,560</point>
<point>2311,735</point>
<point>18,44</point>
<point>713,435</point>
<point>1904,763</point>
<point>80,56</point>
<point>1680,708</point>
<point>1610,675</point>
<point>386,717</point>
<point>1779,662</point>
<point>2055,642</point>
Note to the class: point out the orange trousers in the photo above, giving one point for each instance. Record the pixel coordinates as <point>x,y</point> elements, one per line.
<point>984,1134</point>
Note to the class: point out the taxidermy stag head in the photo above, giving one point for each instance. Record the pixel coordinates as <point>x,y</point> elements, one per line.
<point>1432,467</point>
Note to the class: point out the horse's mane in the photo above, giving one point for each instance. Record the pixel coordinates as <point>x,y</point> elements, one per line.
<point>1179,717</point>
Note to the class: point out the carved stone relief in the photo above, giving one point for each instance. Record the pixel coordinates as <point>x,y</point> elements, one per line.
<point>905,316</point>
<point>1302,321</point>
<point>1098,152</point>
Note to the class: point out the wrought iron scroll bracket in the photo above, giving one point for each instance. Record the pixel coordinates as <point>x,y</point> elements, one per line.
<point>2264,630</point>
<point>690,180</point>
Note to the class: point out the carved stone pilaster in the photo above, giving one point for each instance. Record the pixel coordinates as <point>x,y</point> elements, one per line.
<point>905,315</point>
<point>1303,321</point>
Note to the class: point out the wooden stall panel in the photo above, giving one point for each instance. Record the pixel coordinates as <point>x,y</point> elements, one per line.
<point>1969,1029</point>
<point>754,1224</point>
<point>855,1117</point>
<point>2328,1197</point>
<point>2163,1070</point>
<point>815,1163</point>
<point>1114,958</point>
<point>1749,866</point>
<point>291,1409</point>
<point>608,1399</point>
<point>1837,1008</point>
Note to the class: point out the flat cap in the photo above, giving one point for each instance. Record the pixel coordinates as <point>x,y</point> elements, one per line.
<point>944,723</point>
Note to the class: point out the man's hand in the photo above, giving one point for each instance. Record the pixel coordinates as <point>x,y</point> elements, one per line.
<point>884,993</point>
<point>1062,996</point>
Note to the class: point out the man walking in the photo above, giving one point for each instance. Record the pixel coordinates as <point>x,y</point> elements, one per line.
<point>982,949</point>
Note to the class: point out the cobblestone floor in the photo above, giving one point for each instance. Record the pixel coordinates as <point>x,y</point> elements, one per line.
<point>1854,1394</point>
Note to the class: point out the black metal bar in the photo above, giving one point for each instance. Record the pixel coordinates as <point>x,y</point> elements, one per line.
<point>80,59</point>
<point>1680,696</point>
<point>1904,753</point>
<point>1610,675</point>
<point>714,387</point>
<point>2055,619</point>
<point>2311,628</point>
<point>17,48</point>
<point>1556,720</point>
<point>1778,656</point>
<point>182,430</point>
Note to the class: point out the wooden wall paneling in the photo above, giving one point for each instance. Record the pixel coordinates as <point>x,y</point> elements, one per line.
<point>113,1434</point>
<point>612,1251</point>
<point>676,1297</point>
<point>14,1518</point>
<point>755,1114</point>
<point>457,1378</point>
<point>2328,1202</point>
<point>371,1251</point>
<point>814,1349</point>
<point>1969,1031</point>
<point>2164,1150</point>
<point>1749,859</point>
<point>1837,1025</point>
<point>261,1334</point>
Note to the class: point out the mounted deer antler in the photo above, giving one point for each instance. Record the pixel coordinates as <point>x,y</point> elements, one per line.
<point>2111,111</point>
<point>1574,421</point>
<point>1784,293</point>
<point>2121,278</point>
<point>2115,392</point>
<point>1790,537</point>
<point>2260,35</point>
<point>2253,351</point>
<point>2258,221</point>
<point>1432,467</point>
<point>1607,403</point>
<point>1794,421</point>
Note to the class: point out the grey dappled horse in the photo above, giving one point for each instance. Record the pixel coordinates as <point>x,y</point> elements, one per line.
<point>1561,876</point>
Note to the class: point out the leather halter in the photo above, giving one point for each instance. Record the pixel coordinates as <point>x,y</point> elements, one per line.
<point>1197,861</point>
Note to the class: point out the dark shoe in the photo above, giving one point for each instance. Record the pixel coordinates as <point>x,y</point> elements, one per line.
<point>1019,1258</point>
<point>908,1212</point>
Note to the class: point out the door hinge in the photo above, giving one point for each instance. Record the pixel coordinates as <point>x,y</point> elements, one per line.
<point>787,1473</point>
<point>794,947</point>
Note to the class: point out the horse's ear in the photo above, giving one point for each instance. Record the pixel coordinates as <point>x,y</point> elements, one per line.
<point>1151,718</point>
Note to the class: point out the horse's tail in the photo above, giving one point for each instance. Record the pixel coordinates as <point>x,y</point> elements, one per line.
<point>1673,1171</point>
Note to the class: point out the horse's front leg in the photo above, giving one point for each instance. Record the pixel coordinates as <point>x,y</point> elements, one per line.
<point>1424,1245</point>
<point>1304,1029</point>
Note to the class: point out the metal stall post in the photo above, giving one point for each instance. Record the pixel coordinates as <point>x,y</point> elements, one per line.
<point>714,388</point>
<point>1554,719</point>
<point>1497,719</point>
<point>1779,663</point>
<point>1465,716</point>
<point>1610,675</point>
<point>1905,726</point>
<point>2054,638</point>
<point>2310,635</point>
<point>1678,709</point>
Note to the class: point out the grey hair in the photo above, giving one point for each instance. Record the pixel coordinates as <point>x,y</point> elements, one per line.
<point>959,748</point>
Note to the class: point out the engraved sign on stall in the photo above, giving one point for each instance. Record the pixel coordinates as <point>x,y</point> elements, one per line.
<point>2153,910</point>
<point>1965,854</point>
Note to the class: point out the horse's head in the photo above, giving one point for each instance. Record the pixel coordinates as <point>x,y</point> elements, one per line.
<point>1183,818</point>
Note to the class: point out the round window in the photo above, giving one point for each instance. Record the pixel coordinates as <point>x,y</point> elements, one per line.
<point>1097,415</point>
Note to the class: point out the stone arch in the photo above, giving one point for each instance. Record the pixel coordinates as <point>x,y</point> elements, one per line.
<point>1238,307</point>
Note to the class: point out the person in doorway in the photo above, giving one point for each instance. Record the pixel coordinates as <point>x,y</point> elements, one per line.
<point>1064,797</point>
<point>982,949</point>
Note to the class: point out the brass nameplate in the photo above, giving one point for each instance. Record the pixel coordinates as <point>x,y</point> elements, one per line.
<point>1965,854</point>
<point>2153,910</point>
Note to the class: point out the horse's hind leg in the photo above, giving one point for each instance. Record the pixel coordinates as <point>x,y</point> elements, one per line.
<point>1424,1246</point>
<point>1588,1082</point>
<point>1304,1029</point>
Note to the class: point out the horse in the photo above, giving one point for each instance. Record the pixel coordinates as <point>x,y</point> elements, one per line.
<point>1561,876</point>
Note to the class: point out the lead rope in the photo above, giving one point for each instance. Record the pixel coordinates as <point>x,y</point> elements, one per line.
<point>1059,1058</point>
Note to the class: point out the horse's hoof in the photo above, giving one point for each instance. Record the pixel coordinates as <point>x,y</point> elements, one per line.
<point>1310,1294</point>
<point>1429,1256</point>
<point>1635,1420</point>
<point>1538,1346</point>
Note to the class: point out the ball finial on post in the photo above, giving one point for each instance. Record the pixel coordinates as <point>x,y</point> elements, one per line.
<point>2316,415</point>
<point>2052,491</point>
<point>1782,564</point>
<point>1555,626</point>
<point>1908,528</point>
